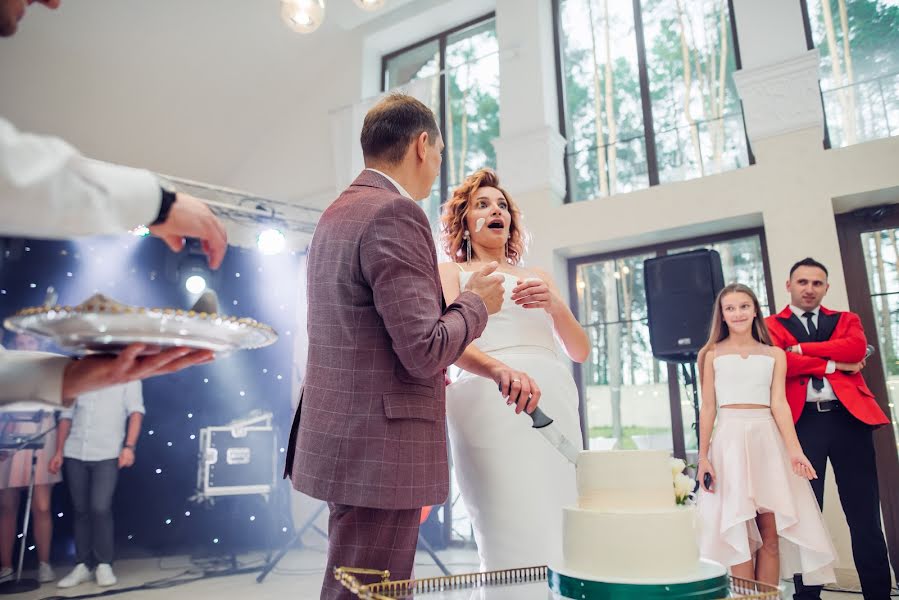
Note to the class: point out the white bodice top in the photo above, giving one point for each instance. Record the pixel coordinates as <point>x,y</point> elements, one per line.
<point>513,326</point>
<point>743,380</point>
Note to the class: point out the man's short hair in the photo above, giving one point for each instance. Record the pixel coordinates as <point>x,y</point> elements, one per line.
<point>808,262</point>
<point>392,124</point>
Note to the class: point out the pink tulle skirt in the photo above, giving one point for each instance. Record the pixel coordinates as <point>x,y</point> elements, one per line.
<point>753,475</point>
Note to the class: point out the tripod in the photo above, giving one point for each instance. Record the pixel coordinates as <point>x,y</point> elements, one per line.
<point>33,443</point>
<point>297,537</point>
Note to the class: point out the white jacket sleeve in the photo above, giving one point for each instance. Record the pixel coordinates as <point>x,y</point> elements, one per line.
<point>49,190</point>
<point>35,376</point>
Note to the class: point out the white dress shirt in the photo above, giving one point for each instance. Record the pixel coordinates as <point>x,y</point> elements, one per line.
<point>398,187</point>
<point>31,376</point>
<point>825,393</point>
<point>98,421</point>
<point>49,190</point>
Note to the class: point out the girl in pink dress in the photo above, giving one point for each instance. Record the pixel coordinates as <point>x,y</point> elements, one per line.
<point>757,512</point>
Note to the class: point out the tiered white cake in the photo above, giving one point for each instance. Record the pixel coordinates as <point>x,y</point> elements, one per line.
<point>627,524</point>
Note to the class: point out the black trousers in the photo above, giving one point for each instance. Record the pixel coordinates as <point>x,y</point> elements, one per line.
<point>849,444</point>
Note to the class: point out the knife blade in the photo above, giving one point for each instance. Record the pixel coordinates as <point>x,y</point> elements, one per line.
<point>543,424</point>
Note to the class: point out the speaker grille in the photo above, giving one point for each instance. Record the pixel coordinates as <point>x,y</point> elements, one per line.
<point>680,296</point>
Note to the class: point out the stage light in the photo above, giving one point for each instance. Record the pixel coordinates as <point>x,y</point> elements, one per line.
<point>195,284</point>
<point>270,242</point>
<point>189,269</point>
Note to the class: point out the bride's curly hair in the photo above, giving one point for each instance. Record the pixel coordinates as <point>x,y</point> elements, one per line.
<point>452,221</point>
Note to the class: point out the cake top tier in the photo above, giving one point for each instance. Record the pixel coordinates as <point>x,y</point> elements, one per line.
<point>625,480</point>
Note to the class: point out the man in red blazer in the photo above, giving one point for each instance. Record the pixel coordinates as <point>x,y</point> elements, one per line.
<point>369,434</point>
<point>835,414</point>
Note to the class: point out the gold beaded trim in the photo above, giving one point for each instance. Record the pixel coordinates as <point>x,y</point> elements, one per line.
<point>121,309</point>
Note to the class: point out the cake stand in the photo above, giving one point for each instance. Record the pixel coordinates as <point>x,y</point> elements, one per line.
<point>527,583</point>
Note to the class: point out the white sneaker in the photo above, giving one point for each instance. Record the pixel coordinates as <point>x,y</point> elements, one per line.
<point>105,576</point>
<point>79,575</point>
<point>45,573</point>
<point>5,574</point>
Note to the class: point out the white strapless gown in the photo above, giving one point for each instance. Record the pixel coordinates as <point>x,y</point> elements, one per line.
<point>513,482</point>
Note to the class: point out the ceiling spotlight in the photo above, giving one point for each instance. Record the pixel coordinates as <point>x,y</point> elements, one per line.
<point>271,241</point>
<point>303,16</point>
<point>195,284</point>
<point>370,5</point>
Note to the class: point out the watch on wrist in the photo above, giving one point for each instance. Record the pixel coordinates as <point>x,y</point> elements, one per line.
<point>169,195</point>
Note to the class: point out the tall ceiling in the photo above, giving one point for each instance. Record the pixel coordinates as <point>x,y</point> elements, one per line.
<point>180,87</point>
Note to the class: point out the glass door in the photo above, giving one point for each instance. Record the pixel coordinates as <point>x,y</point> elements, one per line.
<point>868,243</point>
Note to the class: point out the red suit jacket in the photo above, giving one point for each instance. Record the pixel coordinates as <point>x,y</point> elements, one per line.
<point>370,429</point>
<point>845,342</point>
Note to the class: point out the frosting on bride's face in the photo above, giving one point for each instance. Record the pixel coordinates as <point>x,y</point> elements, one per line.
<point>488,219</point>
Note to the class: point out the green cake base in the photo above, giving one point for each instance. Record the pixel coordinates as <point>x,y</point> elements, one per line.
<point>710,583</point>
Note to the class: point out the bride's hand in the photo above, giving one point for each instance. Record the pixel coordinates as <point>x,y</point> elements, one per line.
<point>517,387</point>
<point>534,293</point>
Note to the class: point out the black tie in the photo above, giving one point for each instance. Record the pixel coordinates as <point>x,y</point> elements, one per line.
<point>817,382</point>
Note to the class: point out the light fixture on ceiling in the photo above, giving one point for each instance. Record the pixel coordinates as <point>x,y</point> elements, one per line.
<point>370,5</point>
<point>303,16</point>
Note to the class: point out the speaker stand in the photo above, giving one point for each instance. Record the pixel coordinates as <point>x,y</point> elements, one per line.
<point>690,379</point>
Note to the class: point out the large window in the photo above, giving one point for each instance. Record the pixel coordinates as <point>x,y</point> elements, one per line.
<point>858,41</point>
<point>632,400</point>
<point>882,252</point>
<point>462,66</point>
<point>647,95</point>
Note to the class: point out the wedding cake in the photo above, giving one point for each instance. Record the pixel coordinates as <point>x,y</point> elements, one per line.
<point>628,537</point>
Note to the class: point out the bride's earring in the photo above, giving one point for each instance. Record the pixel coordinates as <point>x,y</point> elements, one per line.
<point>467,237</point>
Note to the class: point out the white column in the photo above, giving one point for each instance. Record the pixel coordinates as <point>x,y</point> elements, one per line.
<point>778,83</point>
<point>530,149</point>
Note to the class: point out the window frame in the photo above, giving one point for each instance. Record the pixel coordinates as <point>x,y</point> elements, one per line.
<point>659,249</point>
<point>652,165</point>
<point>441,38</point>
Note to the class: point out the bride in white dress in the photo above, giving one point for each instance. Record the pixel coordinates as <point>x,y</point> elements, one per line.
<point>513,482</point>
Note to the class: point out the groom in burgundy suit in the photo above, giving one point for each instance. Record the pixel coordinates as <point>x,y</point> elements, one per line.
<point>369,434</point>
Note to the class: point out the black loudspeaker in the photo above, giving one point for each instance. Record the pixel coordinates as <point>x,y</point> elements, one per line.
<point>680,295</point>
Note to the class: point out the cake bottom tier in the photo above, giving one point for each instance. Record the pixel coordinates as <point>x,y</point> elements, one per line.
<point>711,583</point>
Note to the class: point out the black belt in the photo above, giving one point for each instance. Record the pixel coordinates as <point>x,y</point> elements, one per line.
<point>824,406</point>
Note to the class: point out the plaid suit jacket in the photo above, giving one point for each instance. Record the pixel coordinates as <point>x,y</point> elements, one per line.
<point>370,427</point>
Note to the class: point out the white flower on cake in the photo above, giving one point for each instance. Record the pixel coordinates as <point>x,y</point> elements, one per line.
<point>683,488</point>
<point>683,484</point>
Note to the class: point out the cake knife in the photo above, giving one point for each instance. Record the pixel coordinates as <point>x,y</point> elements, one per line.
<point>543,424</point>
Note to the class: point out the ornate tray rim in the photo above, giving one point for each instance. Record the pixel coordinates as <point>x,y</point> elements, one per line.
<point>754,590</point>
<point>139,310</point>
<point>88,309</point>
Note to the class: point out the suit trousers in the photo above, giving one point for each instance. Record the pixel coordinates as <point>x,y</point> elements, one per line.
<point>369,538</point>
<point>849,444</point>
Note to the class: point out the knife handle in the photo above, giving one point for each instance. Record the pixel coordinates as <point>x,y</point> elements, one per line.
<point>539,419</point>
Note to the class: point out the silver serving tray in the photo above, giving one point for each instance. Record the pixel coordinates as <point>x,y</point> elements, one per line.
<point>101,324</point>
